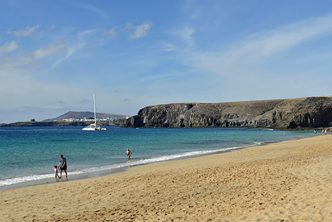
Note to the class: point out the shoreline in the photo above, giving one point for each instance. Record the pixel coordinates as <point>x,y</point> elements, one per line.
<point>115,170</point>
<point>289,180</point>
<point>109,170</point>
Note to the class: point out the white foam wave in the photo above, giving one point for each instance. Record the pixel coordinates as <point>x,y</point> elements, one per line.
<point>18,180</point>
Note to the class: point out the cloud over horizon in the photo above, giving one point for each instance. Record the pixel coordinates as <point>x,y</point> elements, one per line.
<point>26,31</point>
<point>161,52</point>
<point>258,47</point>
<point>141,30</point>
<point>8,47</point>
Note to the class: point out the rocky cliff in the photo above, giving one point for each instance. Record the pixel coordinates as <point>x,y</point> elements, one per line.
<point>282,113</point>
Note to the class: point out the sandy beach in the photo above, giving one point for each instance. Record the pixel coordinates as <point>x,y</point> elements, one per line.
<point>287,181</point>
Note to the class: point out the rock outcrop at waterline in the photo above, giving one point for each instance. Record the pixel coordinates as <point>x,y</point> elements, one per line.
<point>281,113</point>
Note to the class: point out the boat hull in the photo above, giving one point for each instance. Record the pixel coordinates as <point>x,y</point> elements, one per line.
<point>94,129</point>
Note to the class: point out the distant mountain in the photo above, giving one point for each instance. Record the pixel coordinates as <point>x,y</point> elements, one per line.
<point>86,115</point>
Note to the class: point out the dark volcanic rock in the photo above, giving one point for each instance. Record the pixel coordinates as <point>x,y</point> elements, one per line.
<point>283,114</point>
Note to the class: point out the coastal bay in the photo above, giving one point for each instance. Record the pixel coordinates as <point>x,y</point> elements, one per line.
<point>139,111</point>
<point>285,181</point>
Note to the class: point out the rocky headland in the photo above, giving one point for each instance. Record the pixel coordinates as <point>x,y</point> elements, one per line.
<point>307,112</point>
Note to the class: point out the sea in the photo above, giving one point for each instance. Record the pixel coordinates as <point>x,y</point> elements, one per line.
<point>28,154</point>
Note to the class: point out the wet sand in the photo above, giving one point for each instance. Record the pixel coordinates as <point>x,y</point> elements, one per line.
<point>287,181</point>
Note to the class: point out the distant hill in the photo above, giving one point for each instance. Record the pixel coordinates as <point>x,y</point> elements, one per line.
<point>87,115</point>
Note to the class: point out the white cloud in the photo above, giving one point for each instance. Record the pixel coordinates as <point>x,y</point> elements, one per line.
<point>59,52</point>
<point>27,31</point>
<point>141,30</point>
<point>253,51</point>
<point>20,60</point>
<point>192,9</point>
<point>8,47</point>
<point>284,37</point>
<point>82,34</point>
<point>47,51</point>
<point>93,9</point>
<point>111,33</point>
<point>33,92</point>
<point>168,47</point>
<point>73,48</point>
<point>187,35</point>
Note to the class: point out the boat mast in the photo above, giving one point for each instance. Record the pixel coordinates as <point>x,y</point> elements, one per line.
<point>94,109</point>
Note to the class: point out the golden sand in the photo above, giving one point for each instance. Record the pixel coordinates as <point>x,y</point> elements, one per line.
<point>287,181</point>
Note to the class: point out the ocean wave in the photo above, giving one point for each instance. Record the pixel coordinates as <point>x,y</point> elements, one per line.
<point>32,178</point>
<point>24,179</point>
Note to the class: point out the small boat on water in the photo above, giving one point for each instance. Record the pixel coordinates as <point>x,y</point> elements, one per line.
<point>93,126</point>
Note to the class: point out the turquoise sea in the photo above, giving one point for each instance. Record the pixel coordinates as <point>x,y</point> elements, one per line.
<point>28,154</point>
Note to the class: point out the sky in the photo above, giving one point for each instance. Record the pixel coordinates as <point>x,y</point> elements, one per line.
<point>55,54</point>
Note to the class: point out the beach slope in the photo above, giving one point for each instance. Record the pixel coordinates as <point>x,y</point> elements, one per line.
<point>287,181</point>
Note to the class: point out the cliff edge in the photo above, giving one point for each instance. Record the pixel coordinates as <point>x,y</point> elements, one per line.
<point>281,114</point>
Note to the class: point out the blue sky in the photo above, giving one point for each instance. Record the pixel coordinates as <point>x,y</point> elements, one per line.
<point>55,54</point>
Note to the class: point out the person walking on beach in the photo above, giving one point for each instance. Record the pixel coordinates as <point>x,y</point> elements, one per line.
<point>128,153</point>
<point>56,173</point>
<point>63,166</point>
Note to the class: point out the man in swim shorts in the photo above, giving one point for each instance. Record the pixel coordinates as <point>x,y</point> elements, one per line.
<point>63,166</point>
<point>128,153</point>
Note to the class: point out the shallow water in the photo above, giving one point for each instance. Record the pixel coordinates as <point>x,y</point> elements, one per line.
<point>29,153</point>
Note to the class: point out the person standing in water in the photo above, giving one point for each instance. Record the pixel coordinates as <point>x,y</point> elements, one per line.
<point>63,166</point>
<point>128,153</point>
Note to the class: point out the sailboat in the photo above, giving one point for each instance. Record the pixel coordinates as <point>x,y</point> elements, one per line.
<point>93,126</point>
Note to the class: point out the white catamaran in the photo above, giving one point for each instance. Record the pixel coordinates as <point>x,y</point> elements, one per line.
<point>93,126</point>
